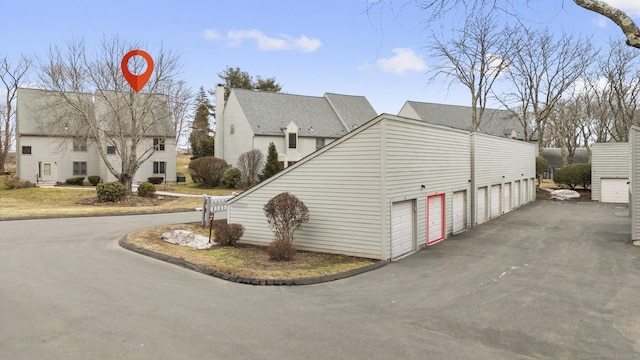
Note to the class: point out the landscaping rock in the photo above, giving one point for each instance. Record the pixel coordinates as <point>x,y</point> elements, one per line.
<point>187,238</point>
<point>564,195</point>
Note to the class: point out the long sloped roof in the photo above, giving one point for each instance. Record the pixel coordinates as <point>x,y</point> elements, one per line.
<point>494,122</point>
<point>332,115</point>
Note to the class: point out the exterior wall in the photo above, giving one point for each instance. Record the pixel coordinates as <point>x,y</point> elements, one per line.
<point>242,138</point>
<point>306,146</point>
<point>609,161</point>
<point>341,187</point>
<point>417,154</point>
<point>634,177</point>
<point>498,161</point>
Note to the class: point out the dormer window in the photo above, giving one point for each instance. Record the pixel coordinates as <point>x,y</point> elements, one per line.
<point>293,140</point>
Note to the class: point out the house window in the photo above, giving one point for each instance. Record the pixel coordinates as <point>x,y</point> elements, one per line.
<point>231,129</point>
<point>79,143</point>
<point>111,150</point>
<point>79,168</point>
<point>289,163</point>
<point>26,150</point>
<point>158,144</point>
<point>319,143</point>
<point>159,167</point>
<point>293,140</point>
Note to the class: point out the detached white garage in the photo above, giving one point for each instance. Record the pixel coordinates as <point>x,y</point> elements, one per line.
<point>382,191</point>
<point>610,172</point>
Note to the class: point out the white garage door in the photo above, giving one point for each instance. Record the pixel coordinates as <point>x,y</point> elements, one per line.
<point>402,226</point>
<point>507,198</point>
<point>525,191</point>
<point>495,201</point>
<point>459,211</point>
<point>516,193</point>
<point>614,191</point>
<point>482,205</point>
<point>435,218</point>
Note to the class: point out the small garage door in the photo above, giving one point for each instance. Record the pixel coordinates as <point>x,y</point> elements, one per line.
<point>482,205</point>
<point>435,218</point>
<point>495,201</point>
<point>525,191</point>
<point>402,225</point>
<point>516,193</point>
<point>507,198</point>
<point>459,211</point>
<point>614,191</point>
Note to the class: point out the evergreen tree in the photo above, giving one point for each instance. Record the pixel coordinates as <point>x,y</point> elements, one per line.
<point>235,78</point>
<point>200,138</point>
<point>271,167</point>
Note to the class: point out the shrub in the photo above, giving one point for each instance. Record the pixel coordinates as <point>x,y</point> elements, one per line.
<point>281,250</point>
<point>110,192</point>
<point>285,214</point>
<point>75,181</point>
<point>13,182</point>
<point>250,163</point>
<point>573,175</point>
<point>231,177</point>
<point>228,234</point>
<point>93,179</point>
<point>207,171</point>
<point>272,166</point>
<point>146,190</point>
<point>155,180</point>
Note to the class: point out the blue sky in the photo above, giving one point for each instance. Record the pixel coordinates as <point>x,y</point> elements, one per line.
<point>310,47</point>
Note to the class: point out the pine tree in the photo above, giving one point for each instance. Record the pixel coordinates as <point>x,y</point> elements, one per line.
<point>200,138</point>
<point>271,167</point>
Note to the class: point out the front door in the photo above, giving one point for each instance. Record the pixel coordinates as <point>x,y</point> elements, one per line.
<point>46,172</point>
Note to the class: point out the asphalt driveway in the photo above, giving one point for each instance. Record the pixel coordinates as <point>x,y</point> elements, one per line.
<point>550,280</point>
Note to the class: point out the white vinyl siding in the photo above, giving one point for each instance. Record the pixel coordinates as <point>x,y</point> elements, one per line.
<point>340,187</point>
<point>242,139</point>
<point>608,161</point>
<point>634,177</point>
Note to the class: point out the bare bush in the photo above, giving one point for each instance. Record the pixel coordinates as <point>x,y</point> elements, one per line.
<point>281,250</point>
<point>250,163</point>
<point>12,182</point>
<point>228,234</point>
<point>285,214</point>
<point>207,171</point>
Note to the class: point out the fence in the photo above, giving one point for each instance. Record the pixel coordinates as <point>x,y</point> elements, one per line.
<point>212,204</point>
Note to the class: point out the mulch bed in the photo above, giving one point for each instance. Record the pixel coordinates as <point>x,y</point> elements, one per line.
<point>133,201</point>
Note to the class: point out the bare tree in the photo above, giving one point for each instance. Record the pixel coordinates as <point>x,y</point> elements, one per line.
<point>11,77</point>
<point>541,70</point>
<point>437,8</point>
<point>128,118</point>
<point>250,163</point>
<point>475,57</point>
<point>180,101</point>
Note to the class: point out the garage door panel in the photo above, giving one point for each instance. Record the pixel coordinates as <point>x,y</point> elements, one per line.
<point>496,199</point>
<point>435,218</point>
<point>614,191</point>
<point>507,198</point>
<point>402,225</point>
<point>482,205</point>
<point>459,211</point>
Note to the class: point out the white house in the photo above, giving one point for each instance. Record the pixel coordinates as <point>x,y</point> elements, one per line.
<point>392,185</point>
<point>52,144</point>
<point>297,125</point>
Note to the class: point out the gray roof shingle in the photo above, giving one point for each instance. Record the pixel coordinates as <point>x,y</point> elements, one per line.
<point>494,122</point>
<point>268,113</point>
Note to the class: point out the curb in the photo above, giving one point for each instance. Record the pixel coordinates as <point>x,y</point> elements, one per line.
<point>41,217</point>
<point>250,281</point>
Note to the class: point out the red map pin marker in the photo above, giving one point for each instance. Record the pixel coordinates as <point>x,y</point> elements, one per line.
<point>137,82</point>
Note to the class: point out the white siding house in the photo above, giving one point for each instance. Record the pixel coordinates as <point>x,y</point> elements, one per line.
<point>52,144</point>
<point>610,172</point>
<point>634,181</point>
<point>297,125</point>
<point>385,189</point>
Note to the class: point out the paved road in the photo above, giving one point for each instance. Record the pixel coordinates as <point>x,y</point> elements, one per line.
<point>551,280</point>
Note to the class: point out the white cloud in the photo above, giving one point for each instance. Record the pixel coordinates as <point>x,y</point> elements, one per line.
<point>600,22</point>
<point>403,60</point>
<point>264,42</point>
<point>212,34</point>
